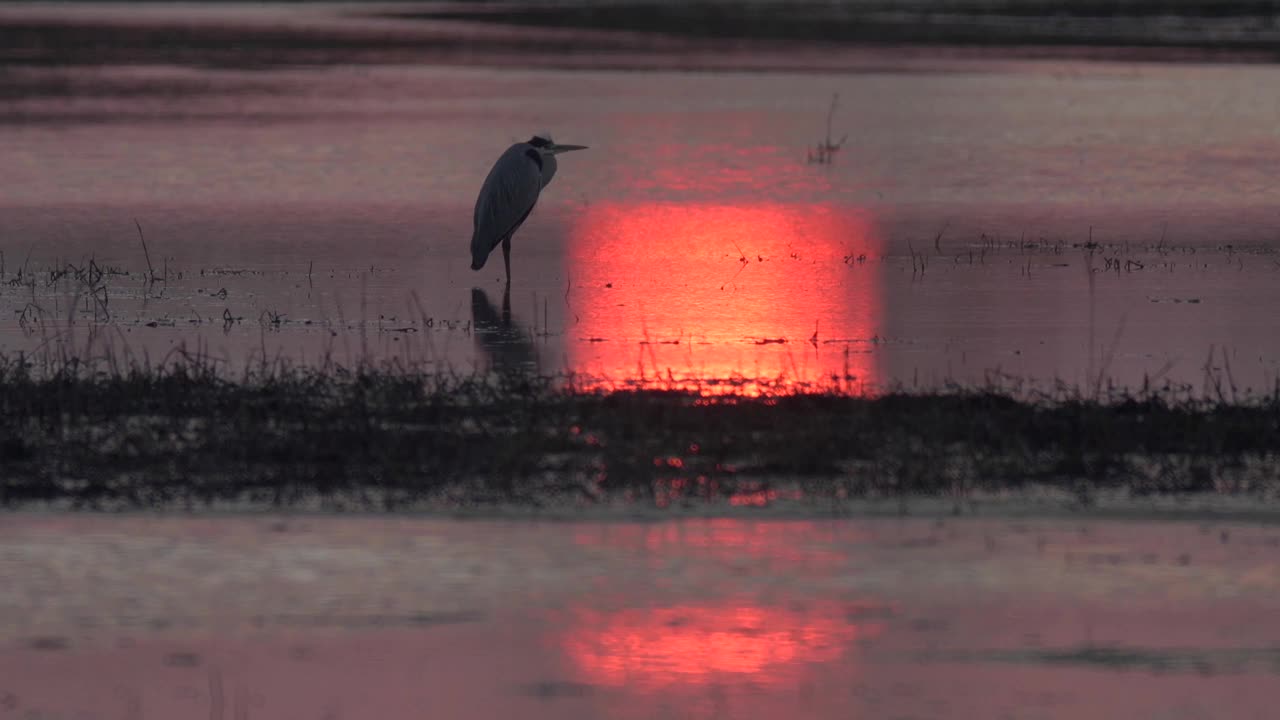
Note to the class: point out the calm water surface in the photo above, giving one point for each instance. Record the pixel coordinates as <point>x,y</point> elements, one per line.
<point>312,213</point>
<point>1053,220</point>
<point>321,617</point>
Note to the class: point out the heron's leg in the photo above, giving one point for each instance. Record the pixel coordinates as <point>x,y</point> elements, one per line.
<point>506,256</point>
<point>506,306</point>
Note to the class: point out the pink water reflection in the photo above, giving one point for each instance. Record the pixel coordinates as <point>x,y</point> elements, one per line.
<point>737,637</point>
<point>714,291</point>
<point>698,644</point>
<point>770,545</point>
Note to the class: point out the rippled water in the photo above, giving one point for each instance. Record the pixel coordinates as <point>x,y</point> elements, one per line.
<point>325,212</point>
<point>314,617</point>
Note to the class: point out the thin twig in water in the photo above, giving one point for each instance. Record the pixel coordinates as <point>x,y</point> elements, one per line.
<point>825,152</point>
<point>937,241</point>
<point>151,271</point>
<point>23,269</point>
<point>1108,358</point>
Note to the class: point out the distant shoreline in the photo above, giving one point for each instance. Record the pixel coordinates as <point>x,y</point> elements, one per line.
<point>633,36</point>
<point>1252,26</point>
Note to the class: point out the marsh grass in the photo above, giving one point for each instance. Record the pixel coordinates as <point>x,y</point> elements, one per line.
<point>88,423</point>
<point>183,433</point>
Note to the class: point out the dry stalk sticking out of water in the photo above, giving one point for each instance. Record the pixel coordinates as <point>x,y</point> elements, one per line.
<point>824,153</point>
<point>151,271</point>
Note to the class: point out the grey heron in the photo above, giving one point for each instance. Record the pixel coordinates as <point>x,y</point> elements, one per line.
<point>509,194</point>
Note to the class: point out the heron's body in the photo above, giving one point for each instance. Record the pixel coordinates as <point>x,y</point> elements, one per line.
<point>508,195</point>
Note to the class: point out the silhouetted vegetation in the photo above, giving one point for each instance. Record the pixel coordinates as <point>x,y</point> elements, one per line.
<point>1206,24</point>
<point>184,435</point>
<point>1164,29</point>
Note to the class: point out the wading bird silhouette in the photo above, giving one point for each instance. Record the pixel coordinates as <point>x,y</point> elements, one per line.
<point>509,194</point>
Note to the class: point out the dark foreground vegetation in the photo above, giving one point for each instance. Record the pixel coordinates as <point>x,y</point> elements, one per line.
<point>186,436</point>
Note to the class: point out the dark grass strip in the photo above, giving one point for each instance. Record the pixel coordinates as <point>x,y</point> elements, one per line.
<point>186,436</point>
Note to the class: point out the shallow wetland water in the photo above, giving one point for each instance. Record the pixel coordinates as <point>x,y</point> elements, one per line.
<point>1050,219</point>
<point>397,617</point>
<point>1082,221</point>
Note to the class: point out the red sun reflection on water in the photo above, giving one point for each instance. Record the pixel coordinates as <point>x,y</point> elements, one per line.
<point>771,546</point>
<point>735,638</point>
<point>783,292</point>
<point>701,644</point>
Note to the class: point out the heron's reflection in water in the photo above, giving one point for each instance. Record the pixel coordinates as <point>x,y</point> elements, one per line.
<point>506,344</point>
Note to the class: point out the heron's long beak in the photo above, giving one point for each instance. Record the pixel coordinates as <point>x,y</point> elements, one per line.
<point>557,148</point>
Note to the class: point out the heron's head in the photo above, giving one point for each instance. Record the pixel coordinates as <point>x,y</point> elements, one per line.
<point>547,146</point>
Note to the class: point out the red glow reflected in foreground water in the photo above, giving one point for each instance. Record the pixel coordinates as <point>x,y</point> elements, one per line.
<point>772,546</point>
<point>702,643</point>
<point>736,638</point>
<point>766,290</point>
